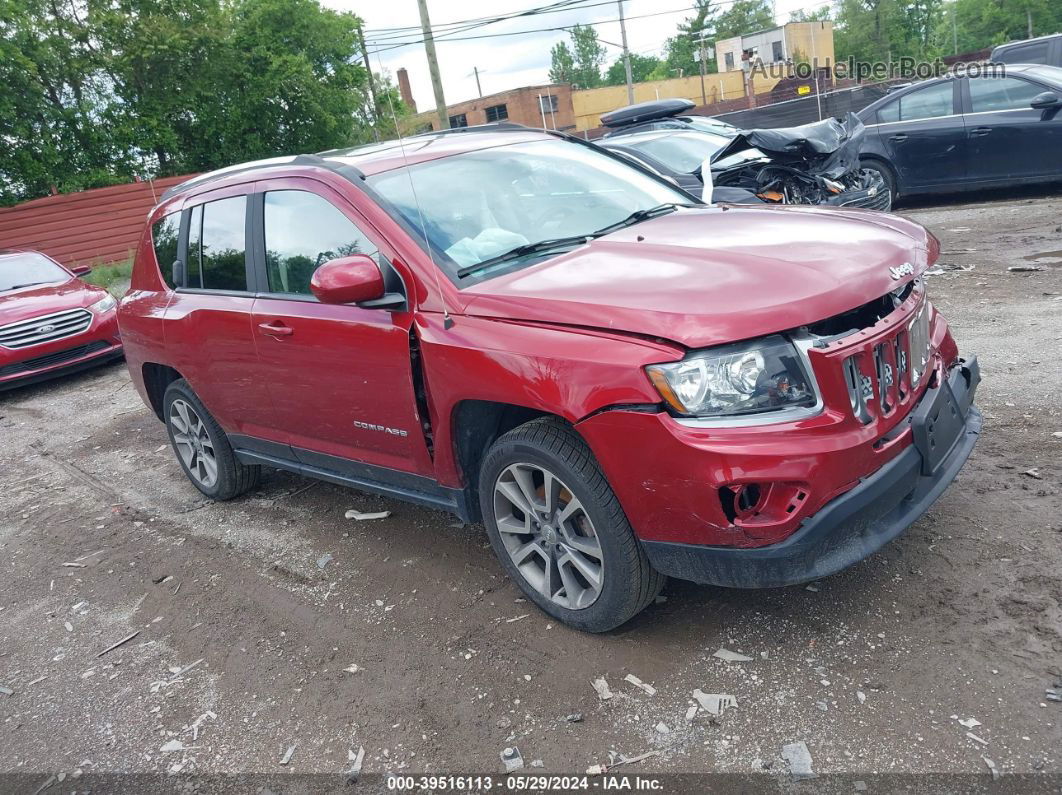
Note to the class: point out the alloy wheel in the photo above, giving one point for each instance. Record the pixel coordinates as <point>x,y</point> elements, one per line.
<point>193,443</point>
<point>549,535</point>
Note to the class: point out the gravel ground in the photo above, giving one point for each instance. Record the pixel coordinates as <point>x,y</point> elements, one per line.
<point>409,642</point>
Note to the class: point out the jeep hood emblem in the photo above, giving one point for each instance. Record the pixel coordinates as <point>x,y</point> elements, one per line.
<point>903,270</point>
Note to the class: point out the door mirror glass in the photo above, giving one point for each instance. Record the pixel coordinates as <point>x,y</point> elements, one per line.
<point>1048,99</point>
<point>81,270</point>
<point>348,280</point>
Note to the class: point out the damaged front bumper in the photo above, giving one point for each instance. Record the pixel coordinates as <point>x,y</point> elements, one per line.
<point>854,525</point>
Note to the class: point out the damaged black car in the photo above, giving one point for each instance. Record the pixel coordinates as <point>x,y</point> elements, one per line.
<point>815,163</point>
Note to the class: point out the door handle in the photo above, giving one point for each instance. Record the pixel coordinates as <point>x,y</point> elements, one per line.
<point>979,131</point>
<point>898,137</point>
<point>275,329</point>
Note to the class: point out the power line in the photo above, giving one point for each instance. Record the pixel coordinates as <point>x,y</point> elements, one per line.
<point>448,38</point>
<point>560,5</point>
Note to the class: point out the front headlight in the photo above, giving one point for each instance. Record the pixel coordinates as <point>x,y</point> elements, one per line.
<point>104,305</point>
<point>755,377</point>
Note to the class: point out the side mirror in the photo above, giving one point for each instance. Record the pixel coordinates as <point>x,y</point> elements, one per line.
<point>348,280</point>
<point>178,272</point>
<point>1048,99</point>
<point>81,270</point>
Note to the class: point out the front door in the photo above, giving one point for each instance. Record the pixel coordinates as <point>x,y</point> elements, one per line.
<point>923,135</point>
<point>1007,138</point>
<point>340,376</point>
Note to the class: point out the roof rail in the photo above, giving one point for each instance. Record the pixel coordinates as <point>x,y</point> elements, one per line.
<point>493,126</point>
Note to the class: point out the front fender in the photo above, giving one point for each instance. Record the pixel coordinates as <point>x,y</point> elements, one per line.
<point>569,372</point>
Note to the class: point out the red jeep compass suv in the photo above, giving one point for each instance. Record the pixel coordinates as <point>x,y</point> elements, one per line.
<point>526,330</point>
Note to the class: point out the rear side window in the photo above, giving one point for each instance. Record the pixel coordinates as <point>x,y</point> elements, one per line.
<point>1000,93</point>
<point>164,235</point>
<point>302,232</point>
<point>194,276</point>
<point>927,103</point>
<point>223,244</point>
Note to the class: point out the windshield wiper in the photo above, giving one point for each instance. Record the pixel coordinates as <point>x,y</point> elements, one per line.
<point>28,284</point>
<point>574,240</point>
<point>641,215</point>
<point>524,250</point>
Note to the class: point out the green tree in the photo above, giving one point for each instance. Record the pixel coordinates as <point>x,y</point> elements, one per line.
<point>736,19</point>
<point>578,64</point>
<point>681,49</point>
<point>879,30</point>
<point>979,24</point>
<point>562,64</point>
<point>642,66</point>
<point>95,93</point>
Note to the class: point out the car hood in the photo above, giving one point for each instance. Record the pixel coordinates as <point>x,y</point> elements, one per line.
<point>828,147</point>
<point>711,275</point>
<point>16,305</point>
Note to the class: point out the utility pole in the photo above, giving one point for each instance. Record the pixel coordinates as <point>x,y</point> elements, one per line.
<point>433,65</point>
<point>954,33</point>
<point>368,71</point>
<point>475,71</point>
<point>626,54</point>
<point>1028,19</point>
<point>702,53</point>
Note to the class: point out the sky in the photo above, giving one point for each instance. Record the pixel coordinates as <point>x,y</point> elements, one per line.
<point>509,62</point>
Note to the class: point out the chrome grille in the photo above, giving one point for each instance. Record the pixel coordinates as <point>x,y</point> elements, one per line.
<point>882,374</point>
<point>45,328</point>
<point>918,334</point>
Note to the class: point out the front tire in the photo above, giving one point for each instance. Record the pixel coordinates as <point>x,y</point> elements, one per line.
<point>202,448</point>
<point>886,176</point>
<point>559,531</point>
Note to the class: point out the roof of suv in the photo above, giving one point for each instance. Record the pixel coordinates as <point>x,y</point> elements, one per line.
<point>376,158</point>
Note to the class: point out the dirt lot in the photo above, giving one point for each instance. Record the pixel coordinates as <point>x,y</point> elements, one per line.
<point>247,628</point>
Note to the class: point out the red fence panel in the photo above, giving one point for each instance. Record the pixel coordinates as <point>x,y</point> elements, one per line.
<point>89,227</point>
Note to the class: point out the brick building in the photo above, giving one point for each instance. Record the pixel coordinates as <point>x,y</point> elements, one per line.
<point>548,106</point>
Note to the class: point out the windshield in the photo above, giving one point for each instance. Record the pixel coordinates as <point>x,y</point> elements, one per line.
<point>26,269</point>
<point>480,205</point>
<point>682,152</point>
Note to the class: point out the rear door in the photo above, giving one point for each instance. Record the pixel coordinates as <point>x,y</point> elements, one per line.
<point>1007,139</point>
<point>340,376</point>
<point>208,321</point>
<point>923,135</point>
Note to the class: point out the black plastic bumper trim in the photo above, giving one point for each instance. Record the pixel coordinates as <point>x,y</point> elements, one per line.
<point>851,527</point>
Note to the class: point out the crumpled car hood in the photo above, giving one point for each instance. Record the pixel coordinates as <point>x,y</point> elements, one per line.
<point>828,147</point>
<point>712,275</point>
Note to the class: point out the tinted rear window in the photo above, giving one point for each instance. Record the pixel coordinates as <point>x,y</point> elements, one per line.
<point>164,234</point>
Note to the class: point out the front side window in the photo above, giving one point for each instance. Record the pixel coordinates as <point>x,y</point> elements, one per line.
<point>481,205</point>
<point>302,232</point>
<point>223,244</point>
<point>1000,93</point>
<point>164,235</point>
<point>497,113</point>
<point>28,269</point>
<point>927,103</point>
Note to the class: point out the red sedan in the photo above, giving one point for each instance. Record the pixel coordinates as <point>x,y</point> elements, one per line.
<point>51,322</point>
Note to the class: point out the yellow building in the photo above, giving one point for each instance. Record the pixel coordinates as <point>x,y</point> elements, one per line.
<point>590,103</point>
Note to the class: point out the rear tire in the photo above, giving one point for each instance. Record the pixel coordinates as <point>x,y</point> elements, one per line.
<point>572,551</point>
<point>886,176</point>
<point>202,448</point>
